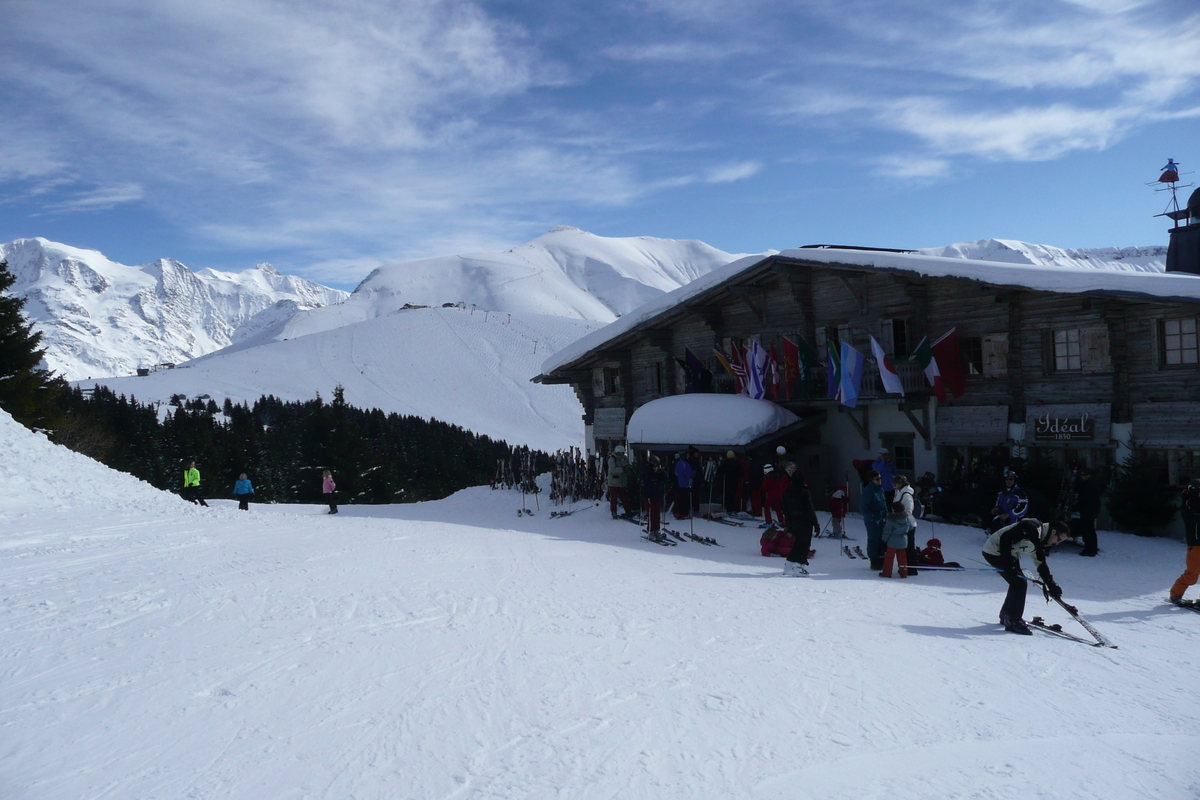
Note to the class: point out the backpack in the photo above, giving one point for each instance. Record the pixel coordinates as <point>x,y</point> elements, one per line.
<point>918,509</point>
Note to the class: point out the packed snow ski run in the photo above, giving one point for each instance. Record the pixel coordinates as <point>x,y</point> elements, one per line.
<point>458,649</point>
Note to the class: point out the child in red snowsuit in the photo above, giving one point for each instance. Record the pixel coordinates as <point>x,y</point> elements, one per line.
<point>776,542</point>
<point>932,556</point>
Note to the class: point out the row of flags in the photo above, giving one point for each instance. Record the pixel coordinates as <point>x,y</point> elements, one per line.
<point>785,374</point>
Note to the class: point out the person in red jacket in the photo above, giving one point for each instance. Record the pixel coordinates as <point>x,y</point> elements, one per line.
<point>776,542</point>
<point>773,486</point>
<point>839,505</point>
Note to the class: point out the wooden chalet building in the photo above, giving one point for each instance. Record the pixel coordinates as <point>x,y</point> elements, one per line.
<point>1063,365</point>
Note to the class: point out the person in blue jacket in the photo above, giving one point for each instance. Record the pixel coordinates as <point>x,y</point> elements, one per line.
<point>1012,504</point>
<point>684,476</point>
<point>873,505</point>
<point>886,468</point>
<point>243,491</point>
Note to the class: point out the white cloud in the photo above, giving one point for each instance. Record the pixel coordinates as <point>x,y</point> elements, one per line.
<point>733,172</point>
<point>913,168</point>
<point>101,198</point>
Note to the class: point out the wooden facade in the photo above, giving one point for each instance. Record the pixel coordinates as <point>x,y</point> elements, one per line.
<point>1072,375</point>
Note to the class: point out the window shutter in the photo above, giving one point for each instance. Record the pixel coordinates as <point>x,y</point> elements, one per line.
<point>598,382</point>
<point>995,355</point>
<point>886,339</point>
<point>1093,349</point>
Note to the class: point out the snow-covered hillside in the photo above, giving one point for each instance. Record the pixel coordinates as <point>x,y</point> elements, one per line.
<point>469,369</point>
<point>565,273</point>
<point>456,650</point>
<point>101,318</point>
<point>1007,251</point>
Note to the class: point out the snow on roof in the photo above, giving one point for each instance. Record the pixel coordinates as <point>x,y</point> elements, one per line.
<point>1173,286</point>
<point>706,419</point>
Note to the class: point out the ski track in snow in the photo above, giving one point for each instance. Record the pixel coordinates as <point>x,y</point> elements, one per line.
<point>452,649</point>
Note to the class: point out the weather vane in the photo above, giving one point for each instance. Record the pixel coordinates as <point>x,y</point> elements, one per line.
<point>1168,181</point>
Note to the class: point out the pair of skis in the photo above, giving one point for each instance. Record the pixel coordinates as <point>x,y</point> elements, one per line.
<point>854,554</point>
<point>1056,630</point>
<point>724,521</point>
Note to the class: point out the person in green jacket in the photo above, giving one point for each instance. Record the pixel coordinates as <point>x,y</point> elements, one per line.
<point>191,484</point>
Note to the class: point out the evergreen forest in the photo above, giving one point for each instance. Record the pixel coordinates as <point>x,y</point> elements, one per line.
<point>283,447</point>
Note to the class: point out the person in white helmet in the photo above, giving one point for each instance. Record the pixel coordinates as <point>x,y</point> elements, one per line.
<point>618,480</point>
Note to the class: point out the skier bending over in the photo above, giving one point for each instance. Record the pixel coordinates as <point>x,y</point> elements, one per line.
<point>1003,550</point>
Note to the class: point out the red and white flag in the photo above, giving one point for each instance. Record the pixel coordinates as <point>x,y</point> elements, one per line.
<point>887,372</point>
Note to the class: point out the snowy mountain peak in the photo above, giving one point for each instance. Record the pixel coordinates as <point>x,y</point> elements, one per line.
<point>99,317</point>
<point>1008,251</point>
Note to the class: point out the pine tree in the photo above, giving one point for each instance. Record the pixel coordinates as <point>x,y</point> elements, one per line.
<point>27,391</point>
<point>1140,499</point>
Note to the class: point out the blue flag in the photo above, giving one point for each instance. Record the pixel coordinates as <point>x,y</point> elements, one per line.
<point>833,370</point>
<point>851,377</point>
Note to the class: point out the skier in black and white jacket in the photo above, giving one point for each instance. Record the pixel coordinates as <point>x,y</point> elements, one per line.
<point>1003,550</point>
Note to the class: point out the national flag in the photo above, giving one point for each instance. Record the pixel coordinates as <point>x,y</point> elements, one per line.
<point>887,372</point>
<point>833,369</point>
<point>724,361</point>
<point>923,355</point>
<point>738,362</point>
<point>773,372</point>
<point>945,350</point>
<point>756,370</point>
<point>851,377</point>
<point>790,366</point>
<point>698,378</point>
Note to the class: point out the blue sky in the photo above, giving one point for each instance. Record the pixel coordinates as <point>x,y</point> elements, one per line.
<point>328,138</point>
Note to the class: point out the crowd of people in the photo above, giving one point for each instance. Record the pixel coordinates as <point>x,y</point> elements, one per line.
<point>890,509</point>
<point>891,512</point>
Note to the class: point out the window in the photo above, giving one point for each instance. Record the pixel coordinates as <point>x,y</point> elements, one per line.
<point>971,349</point>
<point>904,457</point>
<point>1066,350</point>
<point>656,378</point>
<point>1179,342</point>
<point>612,380</point>
<point>899,338</point>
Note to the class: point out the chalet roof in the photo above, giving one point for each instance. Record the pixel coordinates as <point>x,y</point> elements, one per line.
<point>1145,285</point>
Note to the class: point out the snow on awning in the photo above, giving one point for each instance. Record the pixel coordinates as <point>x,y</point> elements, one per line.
<point>722,420</point>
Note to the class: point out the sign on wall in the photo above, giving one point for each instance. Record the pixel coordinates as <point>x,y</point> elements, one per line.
<point>609,423</point>
<point>1068,424</point>
<point>1047,428</point>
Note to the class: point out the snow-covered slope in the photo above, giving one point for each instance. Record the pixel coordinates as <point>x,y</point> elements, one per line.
<point>458,650</point>
<point>40,476</point>
<point>469,369</point>
<point>99,317</point>
<point>1132,259</point>
<point>565,272</point>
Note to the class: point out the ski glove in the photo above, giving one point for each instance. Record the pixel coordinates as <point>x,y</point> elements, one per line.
<point>1053,590</point>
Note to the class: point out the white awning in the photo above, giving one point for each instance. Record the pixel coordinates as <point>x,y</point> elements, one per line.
<point>725,420</point>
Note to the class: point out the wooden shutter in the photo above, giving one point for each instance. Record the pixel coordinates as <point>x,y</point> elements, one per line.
<point>995,355</point>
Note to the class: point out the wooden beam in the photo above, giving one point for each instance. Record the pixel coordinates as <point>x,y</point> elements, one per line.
<point>922,426</point>
<point>746,294</point>
<point>864,427</point>
<point>859,292</point>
